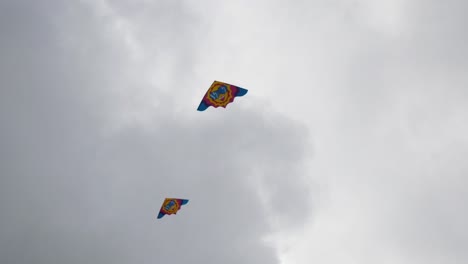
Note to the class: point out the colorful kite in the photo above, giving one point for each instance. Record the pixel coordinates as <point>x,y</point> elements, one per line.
<point>220,94</point>
<point>171,206</point>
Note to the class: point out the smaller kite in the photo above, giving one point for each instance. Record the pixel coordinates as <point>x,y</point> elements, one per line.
<point>220,94</point>
<point>171,206</point>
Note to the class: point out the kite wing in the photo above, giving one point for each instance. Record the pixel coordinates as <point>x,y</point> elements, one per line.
<point>171,206</point>
<point>220,94</point>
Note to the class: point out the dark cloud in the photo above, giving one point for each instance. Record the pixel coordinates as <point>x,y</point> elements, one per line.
<point>74,189</point>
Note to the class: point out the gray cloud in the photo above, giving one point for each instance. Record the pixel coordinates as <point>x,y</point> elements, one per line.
<point>76,187</point>
<point>89,116</point>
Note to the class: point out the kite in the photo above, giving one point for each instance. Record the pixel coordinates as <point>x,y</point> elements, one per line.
<point>220,94</point>
<point>171,206</point>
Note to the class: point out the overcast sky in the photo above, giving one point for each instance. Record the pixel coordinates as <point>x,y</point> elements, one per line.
<point>351,145</point>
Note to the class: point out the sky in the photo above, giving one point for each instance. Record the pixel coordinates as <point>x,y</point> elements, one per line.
<point>349,147</point>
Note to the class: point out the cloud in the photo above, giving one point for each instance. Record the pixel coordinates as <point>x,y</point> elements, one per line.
<point>397,137</point>
<point>98,126</point>
<point>383,88</point>
<point>89,150</point>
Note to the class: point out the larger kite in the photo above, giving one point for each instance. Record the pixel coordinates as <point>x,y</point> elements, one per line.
<point>171,206</point>
<point>220,94</point>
